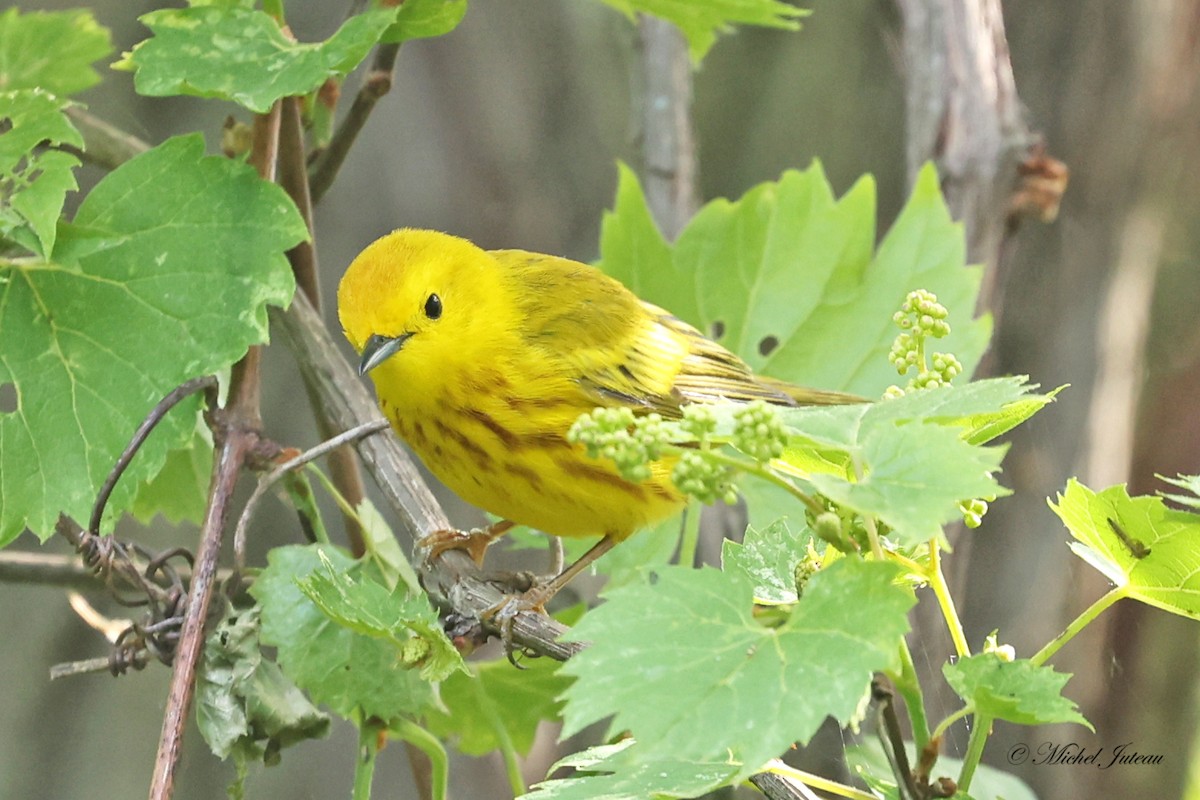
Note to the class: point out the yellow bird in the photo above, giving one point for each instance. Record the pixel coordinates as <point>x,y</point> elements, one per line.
<point>482,360</point>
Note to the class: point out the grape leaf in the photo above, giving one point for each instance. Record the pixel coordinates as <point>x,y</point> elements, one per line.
<point>975,407</point>
<point>1017,691</point>
<point>348,671</point>
<point>713,684</point>
<point>34,181</point>
<point>51,51</point>
<point>1190,484</point>
<point>622,774</point>
<point>422,19</point>
<point>243,702</point>
<point>768,557</point>
<point>701,20</point>
<point>180,489</point>
<point>164,276</point>
<point>913,477</point>
<point>366,606</point>
<point>736,267</point>
<point>242,54</point>
<point>494,704</point>
<point>1151,552</point>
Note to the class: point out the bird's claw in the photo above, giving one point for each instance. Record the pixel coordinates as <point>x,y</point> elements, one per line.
<point>502,615</point>
<point>474,542</point>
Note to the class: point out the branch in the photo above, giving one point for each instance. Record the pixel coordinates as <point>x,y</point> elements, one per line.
<point>293,177</point>
<point>46,569</point>
<point>104,144</point>
<point>453,580</point>
<point>376,83</point>
<point>236,433</point>
<point>53,569</point>
<point>668,142</point>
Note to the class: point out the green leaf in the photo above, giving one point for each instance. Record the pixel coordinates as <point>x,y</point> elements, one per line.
<point>1017,691</point>
<point>244,705</point>
<point>494,705</point>
<point>164,276</point>
<point>631,777</point>
<point>423,19</point>
<point>635,252</point>
<point>916,453</point>
<point>701,20</point>
<point>642,552</point>
<point>366,606</point>
<point>242,55</point>
<point>914,477</point>
<point>350,672</point>
<point>1190,484</point>
<point>712,684</point>
<point>1151,552</point>
<point>180,489</point>
<point>737,265</point>
<point>33,181</point>
<point>768,558</point>
<point>51,51</point>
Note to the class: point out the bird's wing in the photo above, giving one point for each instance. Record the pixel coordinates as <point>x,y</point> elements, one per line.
<point>621,351</point>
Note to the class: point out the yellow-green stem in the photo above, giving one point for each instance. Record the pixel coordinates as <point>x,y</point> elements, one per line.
<point>767,474</point>
<point>817,782</point>
<point>945,724</point>
<point>432,747</point>
<point>691,533</point>
<point>909,689</point>
<point>937,582</point>
<point>364,761</point>
<point>975,745</point>
<point>508,751</point>
<point>1078,624</point>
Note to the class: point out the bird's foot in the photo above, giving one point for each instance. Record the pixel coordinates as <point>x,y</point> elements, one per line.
<point>474,542</point>
<point>502,616</point>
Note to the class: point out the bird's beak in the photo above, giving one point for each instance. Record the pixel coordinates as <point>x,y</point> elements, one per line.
<point>379,349</point>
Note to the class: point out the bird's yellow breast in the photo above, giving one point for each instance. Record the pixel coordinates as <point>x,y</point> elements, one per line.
<point>498,439</point>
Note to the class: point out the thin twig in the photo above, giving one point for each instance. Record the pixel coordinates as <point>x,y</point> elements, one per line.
<point>104,144</point>
<point>237,437</point>
<point>207,383</point>
<point>271,478</point>
<point>893,739</point>
<point>293,177</point>
<point>46,569</point>
<point>376,83</point>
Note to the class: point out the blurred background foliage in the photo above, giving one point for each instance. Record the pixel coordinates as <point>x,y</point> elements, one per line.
<point>507,131</point>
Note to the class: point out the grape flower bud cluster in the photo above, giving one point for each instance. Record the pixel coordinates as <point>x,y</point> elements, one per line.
<point>921,317</point>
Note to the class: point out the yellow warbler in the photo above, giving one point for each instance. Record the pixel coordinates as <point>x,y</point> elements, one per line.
<point>482,360</point>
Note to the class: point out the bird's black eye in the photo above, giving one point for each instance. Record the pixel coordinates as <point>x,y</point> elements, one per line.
<point>433,306</point>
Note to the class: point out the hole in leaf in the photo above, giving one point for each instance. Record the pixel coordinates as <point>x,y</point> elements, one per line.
<point>8,398</point>
<point>768,345</point>
<point>717,329</point>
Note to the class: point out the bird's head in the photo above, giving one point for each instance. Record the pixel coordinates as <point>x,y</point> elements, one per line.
<point>418,304</point>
